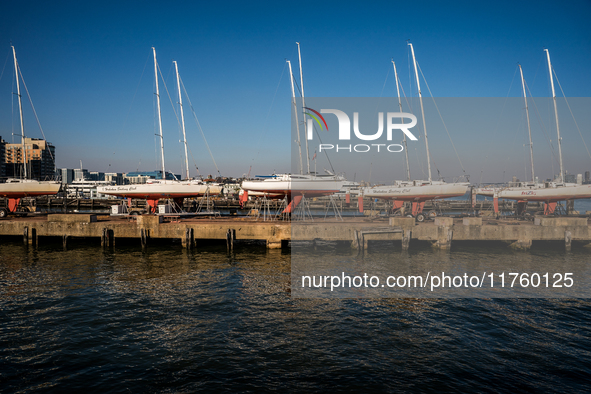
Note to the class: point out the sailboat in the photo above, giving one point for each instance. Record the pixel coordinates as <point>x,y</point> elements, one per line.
<point>157,189</point>
<point>548,192</point>
<point>295,186</point>
<point>491,191</point>
<point>418,191</point>
<point>14,189</point>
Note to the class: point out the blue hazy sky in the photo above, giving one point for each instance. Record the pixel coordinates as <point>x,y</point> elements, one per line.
<point>88,67</point>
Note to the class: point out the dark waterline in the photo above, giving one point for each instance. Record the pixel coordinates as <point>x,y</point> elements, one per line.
<point>167,320</point>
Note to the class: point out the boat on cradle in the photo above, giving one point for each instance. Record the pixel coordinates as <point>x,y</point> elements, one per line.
<point>418,191</point>
<point>294,187</point>
<point>13,188</point>
<point>157,189</point>
<point>548,192</point>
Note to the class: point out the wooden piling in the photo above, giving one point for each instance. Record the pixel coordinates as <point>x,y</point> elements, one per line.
<point>188,241</point>
<point>143,238</point>
<point>230,236</point>
<point>406,239</point>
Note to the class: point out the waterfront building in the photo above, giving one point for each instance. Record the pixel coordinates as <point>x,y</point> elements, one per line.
<point>2,158</point>
<point>40,159</point>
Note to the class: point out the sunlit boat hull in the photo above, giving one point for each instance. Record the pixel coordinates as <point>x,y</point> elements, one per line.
<point>28,188</point>
<point>417,193</point>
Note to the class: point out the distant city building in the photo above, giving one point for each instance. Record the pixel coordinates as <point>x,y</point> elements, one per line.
<point>570,178</point>
<point>587,174</point>
<point>66,175</point>
<point>115,177</point>
<point>40,159</point>
<point>96,176</point>
<point>144,176</point>
<point>81,174</point>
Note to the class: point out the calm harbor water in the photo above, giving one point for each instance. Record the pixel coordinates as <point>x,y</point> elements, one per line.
<point>167,320</point>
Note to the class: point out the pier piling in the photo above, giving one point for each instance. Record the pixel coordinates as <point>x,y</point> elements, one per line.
<point>406,239</point>
<point>189,240</point>
<point>230,236</point>
<point>144,238</point>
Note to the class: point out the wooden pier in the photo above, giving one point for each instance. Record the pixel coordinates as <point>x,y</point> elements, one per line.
<point>359,232</point>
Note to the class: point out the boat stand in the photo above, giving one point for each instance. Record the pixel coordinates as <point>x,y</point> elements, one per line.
<point>281,214</point>
<point>264,208</point>
<point>335,208</point>
<point>302,210</point>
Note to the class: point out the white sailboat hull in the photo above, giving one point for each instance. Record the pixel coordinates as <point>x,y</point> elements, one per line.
<point>405,191</point>
<point>18,188</point>
<point>292,185</point>
<point>485,191</point>
<point>550,194</point>
<point>538,192</point>
<point>162,189</point>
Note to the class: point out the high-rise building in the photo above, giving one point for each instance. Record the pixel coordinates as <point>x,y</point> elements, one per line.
<point>97,176</point>
<point>587,174</point>
<point>66,175</point>
<point>40,159</point>
<point>116,177</point>
<point>570,178</point>
<point>81,174</point>
<point>2,158</point>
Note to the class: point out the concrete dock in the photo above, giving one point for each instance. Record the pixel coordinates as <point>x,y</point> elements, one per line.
<point>360,232</point>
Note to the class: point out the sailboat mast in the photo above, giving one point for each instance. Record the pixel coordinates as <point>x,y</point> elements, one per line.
<point>159,116</point>
<point>402,121</point>
<point>422,110</point>
<point>306,131</point>
<point>295,110</point>
<point>20,107</point>
<point>178,85</point>
<point>531,145</point>
<point>556,116</point>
